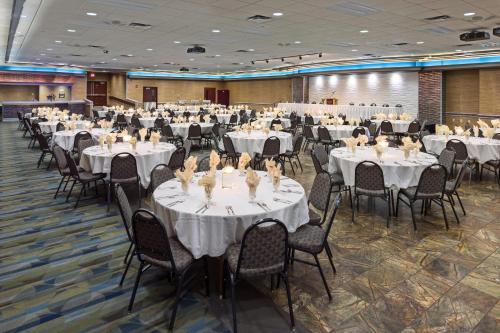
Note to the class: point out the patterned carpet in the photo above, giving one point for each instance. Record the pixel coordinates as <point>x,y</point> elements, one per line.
<point>59,267</point>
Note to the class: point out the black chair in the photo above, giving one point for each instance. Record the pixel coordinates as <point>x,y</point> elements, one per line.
<point>262,252</point>
<point>168,134</point>
<point>293,155</point>
<point>309,137</point>
<point>177,159</point>
<point>313,239</point>
<point>452,186</point>
<point>319,198</point>
<point>82,145</point>
<point>233,120</point>
<point>324,138</point>
<point>386,128</point>
<point>230,151</point>
<point>126,214</point>
<point>413,129</point>
<point>309,120</point>
<point>447,159</point>
<point>135,122</point>
<point>62,166</point>
<point>271,150</point>
<point>431,187</point>
<point>358,131</point>
<point>154,247</point>
<point>158,124</point>
<point>83,135</point>
<point>121,120</point>
<point>45,150</point>
<point>160,174</point>
<point>461,152</point>
<point>82,177</point>
<point>369,181</point>
<point>492,165</point>
<point>275,121</point>
<point>123,170</point>
<point>194,133</point>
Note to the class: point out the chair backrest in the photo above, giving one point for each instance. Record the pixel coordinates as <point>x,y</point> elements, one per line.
<point>297,141</point>
<point>60,158</point>
<point>186,114</point>
<point>124,168</point>
<point>496,136</point>
<point>125,210</point>
<point>458,179</point>
<point>321,154</point>
<point>414,127</point>
<point>324,134</point>
<point>233,119</point>
<point>213,118</point>
<point>83,135</point>
<point>308,133</point>
<point>432,182</point>
<point>159,122</point>
<point>134,121</point>
<point>386,127</point>
<point>120,118</point>
<point>264,247</point>
<point>42,140</point>
<point>369,176</point>
<point>151,237</point>
<point>60,127</point>
<point>336,205</point>
<point>319,196</point>
<point>84,144</point>
<point>194,131</point>
<point>447,159</point>
<point>358,131</point>
<point>73,169</point>
<point>204,164</point>
<point>167,132</point>
<point>177,159</point>
<point>215,130</point>
<point>309,120</point>
<point>271,147</point>
<point>160,174</point>
<point>187,147</point>
<point>459,147</point>
<point>228,145</point>
<point>275,121</point>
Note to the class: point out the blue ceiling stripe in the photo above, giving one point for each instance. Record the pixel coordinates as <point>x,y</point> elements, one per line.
<point>43,70</point>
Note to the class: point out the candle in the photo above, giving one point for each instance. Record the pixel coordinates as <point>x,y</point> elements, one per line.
<point>227,179</point>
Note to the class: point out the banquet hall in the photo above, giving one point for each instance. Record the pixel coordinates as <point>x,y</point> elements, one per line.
<point>267,166</point>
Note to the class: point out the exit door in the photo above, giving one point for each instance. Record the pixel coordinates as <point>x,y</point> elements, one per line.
<point>209,94</point>
<point>223,97</point>
<point>149,97</point>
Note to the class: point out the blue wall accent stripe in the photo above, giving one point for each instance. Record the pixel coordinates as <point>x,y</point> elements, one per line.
<point>43,70</point>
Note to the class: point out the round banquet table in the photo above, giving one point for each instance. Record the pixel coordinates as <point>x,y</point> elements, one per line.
<point>224,118</point>
<point>316,119</point>
<point>211,232</point>
<point>66,139</point>
<point>285,122</point>
<point>479,149</point>
<point>398,173</point>
<point>98,160</point>
<point>398,126</point>
<point>182,129</point>
<point>50,126</point>
<point>339,132</point>
<point>102,113</point>
<point>147,122</point>
<point>254,142</point>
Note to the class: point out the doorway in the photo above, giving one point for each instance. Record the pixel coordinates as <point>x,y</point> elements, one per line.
<point>223,97</point>
<point>97,92</point>
<point>209,94</point>
<point>149,97</point>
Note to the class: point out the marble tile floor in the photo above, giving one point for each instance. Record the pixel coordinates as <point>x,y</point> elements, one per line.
<point>388,280</point>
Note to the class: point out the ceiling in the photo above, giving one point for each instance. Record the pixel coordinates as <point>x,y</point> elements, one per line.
<point>332,28</point>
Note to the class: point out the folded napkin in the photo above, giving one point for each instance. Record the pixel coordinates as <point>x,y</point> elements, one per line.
<point>244,160</point>
<point>351,143</point>
<point>214,160</point>
<point>133,143</point>
<point>459,130</point>
<point>208,183</point>
<point>252,182</point>
<point>362,139</point>
<point>482,124</point>
<point>154,138</point>
<point>142,133</point>
<point>495,123</point>
<point>270,166</point>
<point>488,132</point>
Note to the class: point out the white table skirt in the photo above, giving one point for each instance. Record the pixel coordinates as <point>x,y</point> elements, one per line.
<point>479,149</point>
<point>97,160</point>
<point>212,232</point>
<point>66,139</point>
<point>254,143</point>
<point>102,113</point>
<point>182,129</point>
<point>339,132</point>
<point>285,122</point>
<point>403,175</point>
<point>50,126</point>
<point>351,111</point>
<point>399,126</point>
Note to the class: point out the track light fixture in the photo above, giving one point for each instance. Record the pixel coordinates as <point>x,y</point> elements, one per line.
<point>300,57</point>
<point>267,61</point>
<point>253,62</point>
<point>320,54</point>
<point>282,59</point>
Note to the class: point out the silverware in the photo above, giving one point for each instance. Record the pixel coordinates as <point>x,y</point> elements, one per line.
<point>231,209</point>
<point>263,208</point>
<point>282,200</point>
<point>200,209</point>
<point>266,206</point>
<point>205,208</point>
<point>173,203</point>
<point>290,191</point>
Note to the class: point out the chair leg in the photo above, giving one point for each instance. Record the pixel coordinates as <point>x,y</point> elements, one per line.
<point>67,181</point>
<point>207,281</point>
<point>233,302</point>
<point>330,257</point>
<point>323,277</point>
<point>109,195</point>
<point>70,190</point>
<point>356,198</point>
<point>388,210</point>
<point>444,213</point>
<point>128,252</point>
<point>50,162</point>
<point>460,202</point>
<point>180,281</point>
<point>284,276</point>
<point>59,187</point>
<point>127,267</point>
<point>80,194</point>
<point>452,204</point>
<point>413,215</point>
<point>136,284</point>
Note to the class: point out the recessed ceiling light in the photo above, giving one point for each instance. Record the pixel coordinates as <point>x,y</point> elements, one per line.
<point>42,54</point>
<point>215,30</point>
<point>191,59</point>
<point>242,63</point>
<point>354,50</point>
<point>91,14</point>
<point>176,42</point>
<point>149,49</point>
<point>217,55</point>
<point>420,43</point>
<point>57,41</point>
<point>114,59</point>
<point>458,50</point>
<point>71,30</point>
<point>49,49</point>
<point>37,59</point>
<point>363,31</point>
<point>130,55</point>
<point>155,65</point>
<point>469,14</point>
<point>297,42</point>
<point>102,62</point>
<point>277,14</point>
<point>251,50</point>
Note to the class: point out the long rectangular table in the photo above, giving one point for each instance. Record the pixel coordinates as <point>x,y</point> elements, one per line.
<point>351,111</point>
<point>10,108</point>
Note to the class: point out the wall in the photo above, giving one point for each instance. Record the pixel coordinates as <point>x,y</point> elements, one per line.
<point>18,92</point>
<point>381,87</point>
<point>259,91</point>
<point>489,91</point>
<point>45,90</point>
<point>117,85</point>
<point>79,89</point>
<point>430,96</point>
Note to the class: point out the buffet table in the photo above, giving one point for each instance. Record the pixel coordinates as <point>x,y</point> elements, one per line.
<point>10,108</point>
<point>351,111</point>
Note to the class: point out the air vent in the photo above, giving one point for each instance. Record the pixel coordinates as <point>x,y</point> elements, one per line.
<point>126,55</point>
<point>241,51</point>
<point>96,46</point>
<point>235,63</point>
<point>75,55</point>
<point>284,44</point>
<point>400,44</point>
<point>354,9</point>
<point>140,25</point>
<point>258,18</point>
<point>438,18</point>
<point>463,45</point>
<point>439,30</point>
<point>368,55</point>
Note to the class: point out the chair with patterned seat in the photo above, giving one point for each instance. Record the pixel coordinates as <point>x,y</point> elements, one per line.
<point>168,135</point>
<point>126,214</point>
<point>431,187</point>
<point>177,159</point>
<point>386,128</point>
<point>82,135</point>
<point>45,149</point>
<point>319,198</point>
<point>155,247</point>
<point>313,239</point>
<point>308,120</point>
<point>194,133</point>
<point>447,159</point>
<point>369,181</point>
<point>294,155</point>
<point>82,145</point>
<point>451,188</point>
<point>62,166</point>
<point>270,151</point>
<point>123,170</point>
<point>309,137</point>
<point>160,174</point>
<point>263,252</point>
<point>492,165</point>
<point>231,154</point>
<point>325,139</point>
<point>461,153</point>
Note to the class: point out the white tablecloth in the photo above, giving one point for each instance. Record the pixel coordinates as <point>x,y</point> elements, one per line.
<point>316,119</point>
<point>479,149</point>
<point>182,129</point>
<point>98,160</point>
<point>397,172</point>
<point>352,111</point>
<point>339,132</point>
<point>213,231</point>
<point>399,126</point>
<point>66,139</point>
<point>254,143</point>
<point>102,113</point>
<point>266,121</point>
<point>50,126</point>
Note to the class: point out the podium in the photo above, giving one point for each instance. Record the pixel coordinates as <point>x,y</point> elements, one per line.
<point>330,101</point>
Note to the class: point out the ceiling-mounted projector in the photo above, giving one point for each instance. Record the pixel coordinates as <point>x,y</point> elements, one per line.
<point>184,69</point>
<point>196,49</point>
<point>474,36</point>
<point>496,32</point>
